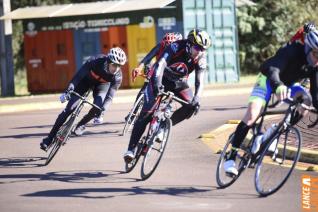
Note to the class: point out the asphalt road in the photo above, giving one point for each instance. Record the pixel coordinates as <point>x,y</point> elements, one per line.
<point>88,172</point>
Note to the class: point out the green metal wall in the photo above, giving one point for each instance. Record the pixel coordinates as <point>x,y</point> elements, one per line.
<point>218,18</point>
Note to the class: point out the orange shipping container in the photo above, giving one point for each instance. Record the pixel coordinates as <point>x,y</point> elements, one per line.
<point>49,59</point>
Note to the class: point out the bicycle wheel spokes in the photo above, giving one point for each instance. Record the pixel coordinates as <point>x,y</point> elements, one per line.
<point>133,114</point>
<point>224,179</point>
<point>131,165</point>
<point>277,162</point>
<point>60,139</point>
<point>155,151</point>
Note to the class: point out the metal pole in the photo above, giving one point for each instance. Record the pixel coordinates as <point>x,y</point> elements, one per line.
<point>6,56</point>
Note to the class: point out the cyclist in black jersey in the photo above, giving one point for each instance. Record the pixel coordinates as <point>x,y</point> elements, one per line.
<point>291,63</point>
<point>103,75</point>
<point>170,73</point>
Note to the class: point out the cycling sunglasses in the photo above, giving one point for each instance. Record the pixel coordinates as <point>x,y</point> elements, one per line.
<point>315,53</point>
<point>115,64</point>
<point>198,48</point>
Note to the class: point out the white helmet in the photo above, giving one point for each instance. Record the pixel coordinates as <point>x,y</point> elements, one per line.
<point>311,39</point>
<point>117,56</point>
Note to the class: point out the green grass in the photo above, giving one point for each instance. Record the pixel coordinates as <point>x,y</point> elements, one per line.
<point>248,79</point>
<point>20,83</point>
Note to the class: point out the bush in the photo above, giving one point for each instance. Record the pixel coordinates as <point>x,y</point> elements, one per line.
<point>265,27</point>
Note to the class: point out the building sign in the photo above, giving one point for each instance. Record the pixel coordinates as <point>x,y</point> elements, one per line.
<point>31,29</point>
<point>81,24</point>
<point>167,23</point>
<point>148,22</point>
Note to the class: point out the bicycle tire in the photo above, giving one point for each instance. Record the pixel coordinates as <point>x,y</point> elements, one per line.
<point>273,162</point>
<point>132,119</point>
<point>63,132</point>
<point>145,173</point>
<point>131,165</point>
<point>222,179</point>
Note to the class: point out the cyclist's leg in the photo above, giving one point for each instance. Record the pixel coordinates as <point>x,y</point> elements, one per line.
<point>99,94</point>
<point>70,107</point>
<point>260,95</point>
<point>143,119</point>
<point>184,92</point>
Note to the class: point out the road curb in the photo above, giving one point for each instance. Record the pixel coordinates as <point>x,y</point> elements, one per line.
<point>216,139</point>
<point>51,101</point>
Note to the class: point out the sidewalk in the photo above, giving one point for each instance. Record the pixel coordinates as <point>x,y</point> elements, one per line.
<point>51,101</point>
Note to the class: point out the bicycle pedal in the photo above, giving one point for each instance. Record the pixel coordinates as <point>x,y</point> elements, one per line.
<point>144,150</point>
<point>251,166</point>
<point>230,175</point>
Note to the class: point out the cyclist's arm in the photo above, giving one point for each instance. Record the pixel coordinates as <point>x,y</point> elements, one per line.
<point>314,88</point>
<point>199,77</point>
<point>114,86</point>
<point>161,64</point>
<point>153,52</point>
<point>274,66</point>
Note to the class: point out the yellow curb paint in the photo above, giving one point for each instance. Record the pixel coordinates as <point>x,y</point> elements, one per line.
<point>312,168</point>
<point>217,138</point>
<point>233,121</point>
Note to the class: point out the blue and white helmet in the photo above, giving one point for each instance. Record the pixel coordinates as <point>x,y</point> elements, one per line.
<point>311,39</point>
<point>117,56</point>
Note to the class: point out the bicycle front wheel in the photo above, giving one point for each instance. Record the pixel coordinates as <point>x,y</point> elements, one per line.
<point>131,165</point>
<point>61,137</point>
<point>224,179</point>
<point>155,150</point>
<point>277,161</point>
<point>133,114</point>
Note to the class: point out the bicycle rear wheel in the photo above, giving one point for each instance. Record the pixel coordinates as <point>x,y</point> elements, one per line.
<point>277,161</point>
<point>133,114</point>
<point>61,137</point>
<point>224,179</point>
<point>155,150</point>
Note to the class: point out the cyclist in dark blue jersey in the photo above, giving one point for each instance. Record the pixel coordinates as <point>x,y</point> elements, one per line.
<point>103,75</point>
<point>170,73</point>
<point>291,63</point>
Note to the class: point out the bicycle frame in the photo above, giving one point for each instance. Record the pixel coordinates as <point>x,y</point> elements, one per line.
<point>65,130</point>
<point>162,109</point>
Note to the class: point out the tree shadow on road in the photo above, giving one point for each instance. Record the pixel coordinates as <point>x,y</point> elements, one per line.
<point>50,126</point>
<point>75,176</point>
<point>222,108</point>
<point>26,135</point>
<point>187,191</point>
<point>21,162</point>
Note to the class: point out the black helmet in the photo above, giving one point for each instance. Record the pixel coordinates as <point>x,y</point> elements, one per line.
<point>199,37</point>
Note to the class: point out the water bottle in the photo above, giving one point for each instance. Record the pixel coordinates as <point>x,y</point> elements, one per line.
<point>257,143</point>
<point>269,132</point>
<point>262,138</point>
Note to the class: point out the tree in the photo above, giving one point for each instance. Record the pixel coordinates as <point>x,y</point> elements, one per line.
<point>265,27</point>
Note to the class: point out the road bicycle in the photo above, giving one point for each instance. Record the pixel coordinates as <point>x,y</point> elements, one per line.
<point>150,146</point>
<point>277,155</point>
<point>63,134</point>
<point>136,108</point>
